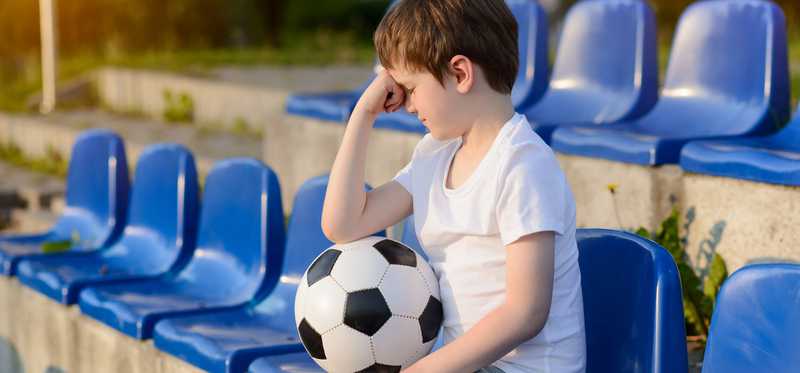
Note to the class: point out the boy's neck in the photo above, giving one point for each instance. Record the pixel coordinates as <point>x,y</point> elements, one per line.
<point>495,111</point>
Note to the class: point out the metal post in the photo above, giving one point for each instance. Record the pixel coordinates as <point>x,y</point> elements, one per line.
<point>48,23</point>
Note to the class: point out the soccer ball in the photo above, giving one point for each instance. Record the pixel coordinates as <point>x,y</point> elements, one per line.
<point>370,305</point>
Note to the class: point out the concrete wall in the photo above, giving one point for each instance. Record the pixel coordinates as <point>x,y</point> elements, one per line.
<point>41,335</point>
<point>35,135</point>
<point>643,196</point>
<point>743,221</point>
<point>226,97</point>
<point>301,148</point>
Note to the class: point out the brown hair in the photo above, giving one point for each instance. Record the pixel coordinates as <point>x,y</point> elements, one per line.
<point>426,34</point>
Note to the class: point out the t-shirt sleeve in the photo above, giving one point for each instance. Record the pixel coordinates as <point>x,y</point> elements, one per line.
<point>404,176</point>
<point>532,196</point>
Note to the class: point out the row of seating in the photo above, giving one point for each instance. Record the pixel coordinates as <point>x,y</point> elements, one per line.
<point>726,88</point>
<point>215,285</point>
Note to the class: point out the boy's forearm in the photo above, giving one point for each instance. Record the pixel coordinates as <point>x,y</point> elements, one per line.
<point>493,337</point>
<point>345,197</point>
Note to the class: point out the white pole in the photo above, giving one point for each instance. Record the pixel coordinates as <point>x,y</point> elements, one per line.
<point>47,17</point>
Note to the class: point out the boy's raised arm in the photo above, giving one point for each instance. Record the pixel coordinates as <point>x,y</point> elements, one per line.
<point>349,213</point>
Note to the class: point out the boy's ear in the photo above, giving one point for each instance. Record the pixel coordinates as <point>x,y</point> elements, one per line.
<point>462,70</point>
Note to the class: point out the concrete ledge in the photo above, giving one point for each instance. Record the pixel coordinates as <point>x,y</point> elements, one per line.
<point>35,135</point>
<point>300,148</point>
<point>227,98</point>
<point>40,334</point>
<point>742,220</point>
<point>644,196</point>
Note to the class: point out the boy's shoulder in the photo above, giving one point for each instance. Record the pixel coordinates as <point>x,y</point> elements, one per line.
<point>429,146</point>
<point>524,149</point>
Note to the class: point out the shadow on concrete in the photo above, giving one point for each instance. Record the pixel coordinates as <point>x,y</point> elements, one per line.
<point>10,361</point>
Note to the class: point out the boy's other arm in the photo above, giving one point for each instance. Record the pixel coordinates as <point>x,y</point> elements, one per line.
<point>529,291</point>
<point>350,213</point>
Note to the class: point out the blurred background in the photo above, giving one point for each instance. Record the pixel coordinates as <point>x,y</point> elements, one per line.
<point>192,35</point>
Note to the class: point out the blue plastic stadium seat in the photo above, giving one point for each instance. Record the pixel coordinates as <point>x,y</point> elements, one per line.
<point>289,363</point>
<point>727,76</point>
<point>161,229</point>
<point>237,258</point>
<point>632,304</point>
<point>330,106</point>
<point>772,159</point>
<point>229,341</point>
<point>531,81</point>
<point>409,236</point>
<point>756,322</point>
<point>96,202</point>
<point>632,307</point>
<point>606,69</point>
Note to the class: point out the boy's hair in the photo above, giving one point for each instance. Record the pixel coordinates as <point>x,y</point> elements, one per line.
<point>426,34</point>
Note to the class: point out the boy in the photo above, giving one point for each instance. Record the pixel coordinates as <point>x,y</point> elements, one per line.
<point>491,206</point>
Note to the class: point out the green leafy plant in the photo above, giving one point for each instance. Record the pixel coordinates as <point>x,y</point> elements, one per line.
<point>52,163</point>
<point>698,296</point>
<point>178,107</point>
<point>54,247</point>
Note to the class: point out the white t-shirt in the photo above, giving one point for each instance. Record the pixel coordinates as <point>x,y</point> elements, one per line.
<point>517,189</point>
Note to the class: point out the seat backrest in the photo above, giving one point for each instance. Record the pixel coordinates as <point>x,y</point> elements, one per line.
<point>241,233</point>
<point>304,242</point>
<point>756,321</point>
<point>97,189</point>
<point>163,213</point>
<point>733,53</point>
<point>609,45</point>
<point>632,304</point>
<point>531,81</point>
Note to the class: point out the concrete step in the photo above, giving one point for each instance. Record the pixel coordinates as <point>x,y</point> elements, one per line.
<point>38,136</point>
<point>26,221</point>
<point>231,98</point>
<point>29,201</point>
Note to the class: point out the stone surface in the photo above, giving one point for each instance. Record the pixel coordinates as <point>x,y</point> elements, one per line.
<point>34,136</point>
<point>300,148</point>
<point>743,221</point>
<point>37,333</point>
<point>227,97</point>
<point>643,196</point>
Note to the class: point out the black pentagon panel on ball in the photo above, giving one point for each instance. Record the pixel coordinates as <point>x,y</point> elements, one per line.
<point>380,368</point>
<point>322,267</point>
<point>311,339</point>
<point>366,311</point>
<point>431,319</point>
<point>396,253</point>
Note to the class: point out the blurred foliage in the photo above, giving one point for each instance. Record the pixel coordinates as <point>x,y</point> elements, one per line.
<point>178,108</point>
<point>52,163</point>
<point>182,34</point>
<point>111,26</point>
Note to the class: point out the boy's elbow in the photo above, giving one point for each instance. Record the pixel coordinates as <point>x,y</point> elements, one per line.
<point>334,234</point>
<point>533,328</point>
<point>532,321</point>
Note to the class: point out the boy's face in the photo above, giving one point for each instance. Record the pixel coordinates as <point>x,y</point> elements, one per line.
<point>436,106</point>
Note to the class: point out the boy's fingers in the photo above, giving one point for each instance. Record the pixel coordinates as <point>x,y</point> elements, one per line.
<point>396,96</point>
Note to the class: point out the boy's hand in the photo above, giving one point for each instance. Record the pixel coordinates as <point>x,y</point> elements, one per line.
<point>382,95</point>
